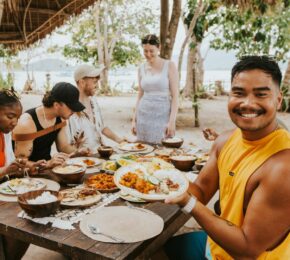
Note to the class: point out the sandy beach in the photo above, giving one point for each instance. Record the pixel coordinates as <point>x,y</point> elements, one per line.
<point>117,113</point>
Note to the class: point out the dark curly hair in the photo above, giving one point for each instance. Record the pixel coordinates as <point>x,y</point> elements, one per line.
<point>9,97</point>
<point>264,63</point>
<point>48,99</point>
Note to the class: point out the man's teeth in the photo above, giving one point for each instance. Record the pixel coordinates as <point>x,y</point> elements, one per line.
<point>249,115</point>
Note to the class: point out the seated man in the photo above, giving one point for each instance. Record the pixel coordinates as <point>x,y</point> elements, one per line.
<point>250,167</point>
<point>88,125</point>
<point>38,128</point>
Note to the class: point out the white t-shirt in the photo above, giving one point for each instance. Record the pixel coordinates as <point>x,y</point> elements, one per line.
<point>9,154</point>
<point>80,122</point>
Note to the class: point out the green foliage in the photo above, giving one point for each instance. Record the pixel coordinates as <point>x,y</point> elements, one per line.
<point>252,33</point>
<point>261,29</point>
<point>126,23</point>
<point>6,83</point>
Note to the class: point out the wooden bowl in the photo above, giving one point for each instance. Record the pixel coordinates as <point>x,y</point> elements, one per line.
<point>171,143</point>
<point>70,177</point>
<point>105,151</point>
<point>183,162</point>
<point>38,210</point>
<point>199,164</point>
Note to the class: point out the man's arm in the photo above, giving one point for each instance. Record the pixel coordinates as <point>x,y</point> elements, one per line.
<point>62,142</point>
<point>266,220</point>
<point>25,126</point>
<point>207,182</point>
<point>111,135</point>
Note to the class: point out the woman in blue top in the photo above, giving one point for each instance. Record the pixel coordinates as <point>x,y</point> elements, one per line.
<point>157,101</point>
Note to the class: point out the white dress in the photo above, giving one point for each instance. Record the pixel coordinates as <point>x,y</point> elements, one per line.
<point>153,110</point>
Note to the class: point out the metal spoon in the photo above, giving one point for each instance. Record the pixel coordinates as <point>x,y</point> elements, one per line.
<point>96,230</point>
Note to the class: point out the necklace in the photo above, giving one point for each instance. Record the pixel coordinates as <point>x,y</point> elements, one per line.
<point>44,115</point>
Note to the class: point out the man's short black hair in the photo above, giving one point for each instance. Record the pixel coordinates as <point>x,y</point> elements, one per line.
<point>264,63</point>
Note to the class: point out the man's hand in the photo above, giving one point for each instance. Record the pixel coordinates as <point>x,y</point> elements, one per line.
<point>81,152</point>
<point>180,200</point>
<point>57,159</point>
<point>210,134</point>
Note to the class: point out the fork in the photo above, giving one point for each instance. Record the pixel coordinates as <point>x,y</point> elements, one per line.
<point>130,206</point>
<point>96,231</point>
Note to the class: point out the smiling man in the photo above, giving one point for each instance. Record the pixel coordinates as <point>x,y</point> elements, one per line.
<point>86,129</point>
<point>250,167</point>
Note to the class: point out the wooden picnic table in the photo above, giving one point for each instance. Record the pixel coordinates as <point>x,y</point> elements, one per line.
<point>75,244</point>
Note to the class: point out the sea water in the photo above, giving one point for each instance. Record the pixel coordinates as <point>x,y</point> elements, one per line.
<point>124,80</point>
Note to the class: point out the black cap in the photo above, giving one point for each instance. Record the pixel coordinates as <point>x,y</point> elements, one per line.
<point>68,94</point>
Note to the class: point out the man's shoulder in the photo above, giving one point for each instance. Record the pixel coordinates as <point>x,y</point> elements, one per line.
<point>25,124</point>
<point>222,140</point>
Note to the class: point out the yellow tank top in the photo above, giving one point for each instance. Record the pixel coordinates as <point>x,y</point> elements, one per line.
<point>237,161</point>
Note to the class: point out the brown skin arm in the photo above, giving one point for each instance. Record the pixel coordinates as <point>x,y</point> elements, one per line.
<point>260,230</point>
<point>62,142</point>
<point>207,182</point>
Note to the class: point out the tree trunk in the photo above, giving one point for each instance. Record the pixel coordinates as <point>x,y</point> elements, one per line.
<point>102,46</point>
<point>189,31</point>
<point>188,89</point>
<point>286,79</point>
<point>167,46</point>
<point>164,19</point>
<point>199,68</point>
<point>286,89</point>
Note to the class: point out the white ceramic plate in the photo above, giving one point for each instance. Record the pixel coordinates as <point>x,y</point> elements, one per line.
<point>71,198</point>
<point>174,175</point>
<point>130,225</point>
<point>81,160</point>
<point>21,185</point>
<point>132,147</point>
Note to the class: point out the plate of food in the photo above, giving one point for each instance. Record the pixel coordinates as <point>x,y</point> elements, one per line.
<point>128,197</point>
<point>132,147</point>
<point>160,185</point>
<point>79,197</point>
<point>21,185</point>
<point>89,162</point>
<point>103,182</point>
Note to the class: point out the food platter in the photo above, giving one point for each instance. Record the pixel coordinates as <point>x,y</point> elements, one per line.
<point>79,197</point>
<point>102,182</point>
<point>21,185</point>
<point>132,147</point>
<point>89,162</point>
<point>160,185</point>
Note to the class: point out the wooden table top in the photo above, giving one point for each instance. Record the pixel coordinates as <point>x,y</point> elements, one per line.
<point>75,244</point>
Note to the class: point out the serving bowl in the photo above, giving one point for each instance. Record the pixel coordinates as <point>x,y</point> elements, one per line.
<point>183,162</point>
<point>199,163</point>
<point>70,174</point>
<point>105,151</point>
<point>174,142</point>
<point>40,209</point>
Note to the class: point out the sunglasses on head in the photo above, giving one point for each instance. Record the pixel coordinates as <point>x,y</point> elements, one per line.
<point>150,41</point>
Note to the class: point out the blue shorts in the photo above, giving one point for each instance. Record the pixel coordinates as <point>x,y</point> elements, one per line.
<point>190,246</point>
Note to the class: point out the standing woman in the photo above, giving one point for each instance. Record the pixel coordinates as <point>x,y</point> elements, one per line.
<point>157,101</point>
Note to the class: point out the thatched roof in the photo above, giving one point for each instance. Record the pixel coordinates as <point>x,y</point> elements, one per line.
<point>23,22</point>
